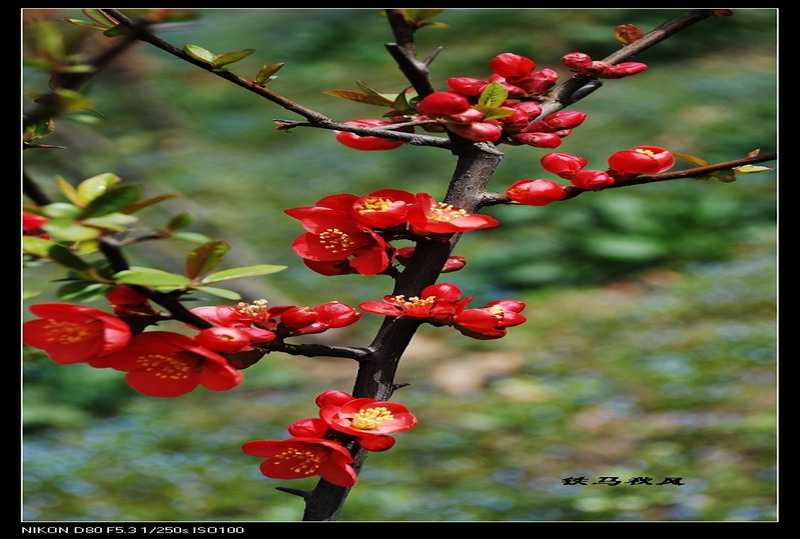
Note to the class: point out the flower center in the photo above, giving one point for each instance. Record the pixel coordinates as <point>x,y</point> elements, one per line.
<point>497,311</point>
<point>65,332</point>
<point>646,152</point>
<point>371,418</point>
<point>445,212</point>
<point>257,310</point>
<point>415,306</point>
<point>335,240</point>
<point>372,204</point>
<point>168,367</point>
<point>303,461</point>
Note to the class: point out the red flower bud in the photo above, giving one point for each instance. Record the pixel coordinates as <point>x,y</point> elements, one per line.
<point>562,164</point>
<point>628,33</point>
<point>576,61</point>
<point>539,140</point>
<point>591,179</point>
<point>509,65</point>
<point>479,131</point>
<point>467,86</point>
<point>221,339</point>
<point>443,104</point>
<point>468,117</point>
<point>535,192</point>
<point>641,160</point>
<point>567,119</point>
<point>624,69</point>
<point>367,143</point>
<point>541,81</point>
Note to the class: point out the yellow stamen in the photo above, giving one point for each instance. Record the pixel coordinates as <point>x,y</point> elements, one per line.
<point>335,240</point>
<point>646,152</point>
<point>372,204</point>
<point>307,461</point>
<point>162,366</point>
<point>445,212</point>
<point>257,310</point>
<point>64,332</point>
<point>371,418</point>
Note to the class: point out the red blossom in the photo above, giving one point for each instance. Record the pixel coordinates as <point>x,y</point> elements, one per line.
<point>436,303</point>
<point>300,457</point>
<point>591,179</point>
<point>443,104</point>
<point>75,333</point>
<point>509,65</point>
<point>640,160</point>
<point>386,208</point>
<point>430,217</point>
<point>478,131</point>
<point>32,224</point>
<point>368,417</point>
<point>562,164</point>
<point>535,192</point>
<point>491,321</point>
<point>365,142</point>
<point>165,364</point>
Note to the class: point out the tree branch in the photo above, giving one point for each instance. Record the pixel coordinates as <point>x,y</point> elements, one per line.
<point>404,52</point>
<point>317,350</point>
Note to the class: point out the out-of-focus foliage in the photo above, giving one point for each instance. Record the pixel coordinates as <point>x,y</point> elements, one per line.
<point>664,369</point>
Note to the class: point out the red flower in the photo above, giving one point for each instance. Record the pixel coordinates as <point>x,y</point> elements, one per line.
<point>386,208</point>
<point>32,224</point>
<point>491,321</point>
<point>535,192</point>
<point>367,143</point>
<point>562,164</point>
<point>437,303</point>
<point>640,160</point>
<point>443,104</point>
<point>428,216</point>
<point>75,333</point>
<point>591,179</point>
<point>510,65</point>
<point>478,131</point>
<point>334,236</point>
<point>165,364</point>
<point>299,457</point>
<point>360,417</point>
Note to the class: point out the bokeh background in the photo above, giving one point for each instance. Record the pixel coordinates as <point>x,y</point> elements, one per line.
<point>650,346</point>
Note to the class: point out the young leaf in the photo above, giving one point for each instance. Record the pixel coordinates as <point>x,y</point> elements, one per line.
<point>368,89</point>
<point>751,169</point>
<point>493,113</point>
<point>69,230</point>
<point>58,210</point>
<point>493,95</point>
<point>725,176</point>
<point>151,277</point>
<point>83,291</point>
<point>419,15</point>
<point>266,72</point>
<point>199,53</point>
<point>361,97</point>
<point>181,220</point>
<point>111,221</point>
<point>206,257</point>
<point>194,237</point>
<point>244,271</point>
<point>139,204</point>
<point>51,250</point>
<point>221,292</point>
<point>68,191</point>
<point>95,186</point>
<point>113,200</point>
<point>692,159</point>
<point>230,57</point>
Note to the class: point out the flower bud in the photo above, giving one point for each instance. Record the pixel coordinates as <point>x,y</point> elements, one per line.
<point>641,160</point>
<point>628,33</point>
<point>535,192</point>
<point>468,117</point>
<point>443,104</point>
<point>576,61</point>
<point>625,69</point>
<point>564,165</point>
<point>591,179</point>
<point>222,339</point>
<point>367,143</point>
<point>567,119</point>
<point>510,65</point>
<point>538,139</point>
<point>467,86</point>
<point>540,82</point>
<point>479,131</point>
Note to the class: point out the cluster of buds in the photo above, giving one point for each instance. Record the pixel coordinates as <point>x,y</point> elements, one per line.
<point>442,305</point>
<point>351,234</point>
<point>318,446</point>
<point>582,64</point>
<point>622,165</point>
<point>369,143</point>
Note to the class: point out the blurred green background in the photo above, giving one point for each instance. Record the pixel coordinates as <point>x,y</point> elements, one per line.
<point>650,345</point>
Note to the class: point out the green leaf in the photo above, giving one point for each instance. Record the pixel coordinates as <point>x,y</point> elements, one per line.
<point>221,292</point>
<point>266,72</point>
<point>83,291</point>
<point>70,100</point>
<point>199,53</point>
<point>361,97</point>
<point>99,17</point>
<point>206,257</point>
<point>39,129</point>
<point>493,113</point>
<point>692,159</point>
<point>368,89</point>
<point>139,204</point>
<point>151,277</point>
<point>114,199</point>
<point>70,230</point>
<point>435,24</point>
<point>53,251</point>
<point>181,220</point>
<point>493,95</point>
<point>403,102</point>
<point>95,186</point>
<point>231,57</point>
<point>111,221</point>
<point>244,271</point>
<point>751,169</point>
<point>194,237</point>
<point>725,176</point>
<point>68,190</point>
<point>58,210</point>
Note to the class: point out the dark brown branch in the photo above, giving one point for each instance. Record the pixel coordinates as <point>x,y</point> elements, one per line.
<point>579,87</point>
<point>389,132</point>
<point>491,199</point>
<point>404,52</point>
<point>317,350</point>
